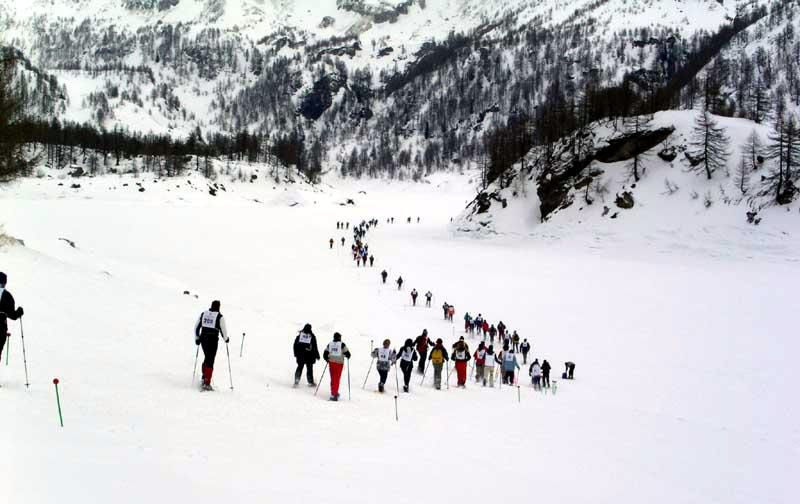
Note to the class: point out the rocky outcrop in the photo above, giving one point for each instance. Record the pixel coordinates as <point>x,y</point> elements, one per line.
<point>383,13</point>
<point>320,98</point>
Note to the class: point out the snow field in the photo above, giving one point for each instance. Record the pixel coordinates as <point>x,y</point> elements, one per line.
<point>683,382</point>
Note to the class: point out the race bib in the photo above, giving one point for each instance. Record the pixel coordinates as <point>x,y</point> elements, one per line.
<point>209,319</point>
<point>408,354</point>
<point>461,355</point>
<point>384,354</point>
<point>305,338</point>
<point>335,348</point>
<point>508,356</point>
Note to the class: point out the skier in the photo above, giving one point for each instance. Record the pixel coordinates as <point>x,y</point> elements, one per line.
<point>438,358</point>
<point>536,374</point>
<point>485,329</point>
<point>501,329</point>
<point>509,361</point>
<point>384,275</point>
<point>515,341</point>
<point>445,309</point>
<point>451,311</point>
<point>386,358</point>
<point>480,361</point>
<point>569,374</point>
<point>331,242</point>
<point>407,356</point>
<point>335,354</point>
<point>492,333</point>
<point>422,342</point>
<point>371,261</point>
<point>428,299</point>
<point>306,353</point>
<point>461,357</point>
<point>545,374</point>
<point>489,361</point>
<point>525,347</point>
<point>400,283</point>
<point>210,326</point>
<point>7,310</point>
<point>414,295</point>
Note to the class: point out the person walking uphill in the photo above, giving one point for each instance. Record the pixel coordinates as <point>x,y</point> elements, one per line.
<point>306,353</point>
<point>7,310</point>
<point>480,361</point>
<point>422,343</point>
<point>438,358</point>
<point>545,374</point>
<point>386,358</point>
<point>335,354</point>
<point>210,326</point>
<point>489,361</point>
<point>384,275</point>
<point>509,362</point>
<point>461,357</point>
<point>407,356</point>
<point>525,347</point>
<point>414,295</point>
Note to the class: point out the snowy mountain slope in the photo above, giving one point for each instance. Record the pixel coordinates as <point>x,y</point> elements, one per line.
<point>169,67</point>
<point>672,192</point>
<point>683,383</point>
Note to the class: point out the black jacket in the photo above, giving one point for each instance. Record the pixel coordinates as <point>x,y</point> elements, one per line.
<point>545,368</point>
<point>307,353</point>
<point>8,310</point>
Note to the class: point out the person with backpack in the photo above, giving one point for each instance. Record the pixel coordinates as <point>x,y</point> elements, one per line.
<point>335,354</point>
<point>306,353</point>
<point>438,357</point>
<point>207,331</point>
<point>451,311</point>
<point>545,374</point>
<point>489,362</point>
<point>414,295</point>
<point>485,329</point>
<point>509,363</point>
<point>461,356</point>
<point>525,347</point>
<point>8,310</point>
<point>384,275</point>
<point>515,341</point>
<point>386,358</point>
<point>422,343</point>
<point>445,309</point>
<point>492,333</point>
<point>428,299</point>
<point>480,361</point>
<point>501,329</point>
<point>536,374</point>
<point>407,356</point>
<point>400,283</point>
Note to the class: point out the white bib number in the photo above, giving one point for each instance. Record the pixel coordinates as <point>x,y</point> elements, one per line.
<point>210,319</point>
<point>384,354</point>
<point>335,349</point>
<point>305,338</point>
<point>408,355</point>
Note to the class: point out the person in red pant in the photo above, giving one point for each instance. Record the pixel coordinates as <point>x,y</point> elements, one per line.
<point>461,357</point>
<point>335,354</point>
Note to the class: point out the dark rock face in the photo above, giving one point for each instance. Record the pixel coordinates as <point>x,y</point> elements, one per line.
<point>386,51</point>
<point>694,160</point>
<point>669,154</point>
<point>378,13</point>
<point>625,200</point>
<point>161,5</point>
<point>77,172</point>
<point>327,22</point>
<point>320,98</point>
<point>628,146</point>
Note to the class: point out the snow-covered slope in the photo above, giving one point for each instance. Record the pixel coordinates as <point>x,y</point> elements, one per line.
<point>684,381</point>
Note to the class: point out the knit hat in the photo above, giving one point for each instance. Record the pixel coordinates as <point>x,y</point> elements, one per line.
<point>336,336</point>
<point>3,278</point>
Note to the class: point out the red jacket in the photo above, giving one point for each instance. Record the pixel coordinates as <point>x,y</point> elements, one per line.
<point>485,326</point>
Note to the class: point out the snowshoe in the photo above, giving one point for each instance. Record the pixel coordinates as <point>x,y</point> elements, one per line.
<point>312,384</point>
<point>405,388</point>
<point>206,388</point>
<point>334,398</point>
<point>380,388</point>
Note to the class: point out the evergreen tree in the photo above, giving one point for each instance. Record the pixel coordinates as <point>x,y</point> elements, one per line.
<point>710,143</point>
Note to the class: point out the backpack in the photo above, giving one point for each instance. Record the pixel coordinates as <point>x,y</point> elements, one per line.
<point>437,356</point>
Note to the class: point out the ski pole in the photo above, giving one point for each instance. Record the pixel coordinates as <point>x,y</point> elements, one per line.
<point>194,370</point>
<point>321,377</point>
<point>424,372</point>
<point>519,395</point>
<point>230,373</point>
<point>396,416</point>
<point>396,379</point>
<point>368,372</point>
<point>242,347</point>
<point>8,346</point>
<point>349,394</point>
<point>448,375</point>
<point>24,356</point>
<point>58,402</point>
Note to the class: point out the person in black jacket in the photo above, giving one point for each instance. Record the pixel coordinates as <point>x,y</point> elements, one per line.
<point>210,326</point>
<point>546,374</point>
<point>7,310</point>
<point>306,354</point>
<point>422,343</point>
